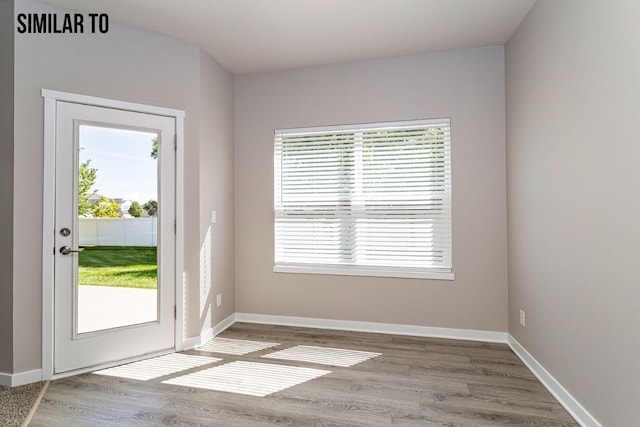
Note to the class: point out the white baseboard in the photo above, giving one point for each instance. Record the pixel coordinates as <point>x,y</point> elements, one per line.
<point>222,326</point>
<point>21,378</point>
<point>191,343</point>
<point>204,337</point>
<point>383,328</point>
<point>577,411</point>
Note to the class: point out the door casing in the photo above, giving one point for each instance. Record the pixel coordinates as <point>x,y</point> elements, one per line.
<point>50,103</point>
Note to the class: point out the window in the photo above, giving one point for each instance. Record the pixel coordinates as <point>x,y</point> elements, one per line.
<point>371,200</point>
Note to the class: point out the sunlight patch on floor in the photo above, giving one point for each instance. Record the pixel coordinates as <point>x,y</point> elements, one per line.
<point>233,346</point>
<point>323,355</point>
<point>248,378</point>
<point>157,367</point>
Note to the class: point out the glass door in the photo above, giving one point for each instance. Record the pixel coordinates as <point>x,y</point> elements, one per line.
<point>115,241</point>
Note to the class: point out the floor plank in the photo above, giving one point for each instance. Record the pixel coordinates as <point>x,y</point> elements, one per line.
<point>414,381</point>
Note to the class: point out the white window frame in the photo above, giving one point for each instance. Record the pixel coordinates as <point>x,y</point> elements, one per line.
<point>359,270</point>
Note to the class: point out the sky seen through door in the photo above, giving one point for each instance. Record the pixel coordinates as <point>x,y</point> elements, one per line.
<point>123,159</point>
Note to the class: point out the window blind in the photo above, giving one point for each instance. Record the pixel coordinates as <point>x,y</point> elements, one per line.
<point>374,197</point>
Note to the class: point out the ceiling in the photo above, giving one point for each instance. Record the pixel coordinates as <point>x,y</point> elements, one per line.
<point>248,36</point>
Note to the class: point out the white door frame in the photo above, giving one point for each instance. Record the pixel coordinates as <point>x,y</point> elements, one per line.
<point>51,98</point>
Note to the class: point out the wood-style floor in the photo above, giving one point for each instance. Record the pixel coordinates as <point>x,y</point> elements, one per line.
<point>413,382</point>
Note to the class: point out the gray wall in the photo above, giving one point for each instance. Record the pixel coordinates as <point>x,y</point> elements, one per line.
<point>467,86</point>
<point>573,106</point>
<point>126,64</point>
<point>6,184</point>
<point>216,185</point>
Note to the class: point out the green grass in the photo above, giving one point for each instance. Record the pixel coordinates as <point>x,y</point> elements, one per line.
<point>129,267</point>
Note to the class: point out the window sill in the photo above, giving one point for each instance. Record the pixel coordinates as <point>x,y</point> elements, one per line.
<point>370,272</point>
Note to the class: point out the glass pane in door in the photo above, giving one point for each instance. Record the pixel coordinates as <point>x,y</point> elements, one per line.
<point>117,280</point>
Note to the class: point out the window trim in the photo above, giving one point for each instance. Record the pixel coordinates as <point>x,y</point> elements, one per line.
<point>401,273</point>
<point>445,274</point>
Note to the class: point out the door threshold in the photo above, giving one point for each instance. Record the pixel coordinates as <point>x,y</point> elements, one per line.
<point>111,364</point>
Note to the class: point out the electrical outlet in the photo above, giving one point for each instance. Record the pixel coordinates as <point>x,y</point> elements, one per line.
<point>214,217</point>
<point>522,318</point>
<point>218,300</point>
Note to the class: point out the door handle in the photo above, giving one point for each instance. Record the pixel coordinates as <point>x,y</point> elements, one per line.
<point>66,250</point>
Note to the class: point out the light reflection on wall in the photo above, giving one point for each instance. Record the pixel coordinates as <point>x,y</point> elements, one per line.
<point>205,281</point>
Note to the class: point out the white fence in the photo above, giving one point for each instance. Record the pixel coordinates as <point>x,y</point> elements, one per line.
<point>119,231</point>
